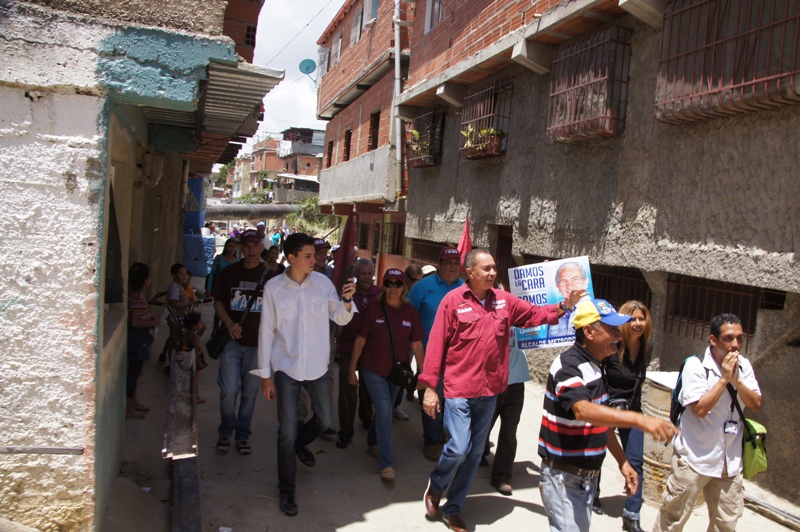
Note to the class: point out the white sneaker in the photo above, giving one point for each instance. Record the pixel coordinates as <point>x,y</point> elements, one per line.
<point>388,473</point>
<point>398,414</point>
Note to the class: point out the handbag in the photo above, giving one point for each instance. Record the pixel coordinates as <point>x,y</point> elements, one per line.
<point>401,373</point>
<point>219,338</point>
<point>754,451</point>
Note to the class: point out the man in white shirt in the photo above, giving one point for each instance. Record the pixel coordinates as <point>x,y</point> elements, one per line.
<point>293,353</point>
<point>708,451</point>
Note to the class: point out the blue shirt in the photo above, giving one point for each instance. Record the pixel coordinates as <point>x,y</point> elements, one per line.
<point>517,363</point>
<point>426,296</point>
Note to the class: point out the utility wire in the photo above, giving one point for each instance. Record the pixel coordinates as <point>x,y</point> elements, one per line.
<point>298,33</point>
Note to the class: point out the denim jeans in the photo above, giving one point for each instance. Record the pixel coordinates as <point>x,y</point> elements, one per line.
<point>432,433</point>
<point>633,443</point>
<point>235,363</point>
<point>567,499</point>
<point>290,436</point>
<point>383,394</point>
<point>467,422</point>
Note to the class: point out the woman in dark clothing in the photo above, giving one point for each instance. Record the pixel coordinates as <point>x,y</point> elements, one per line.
<point>625,373</point>
<point>373,349</point>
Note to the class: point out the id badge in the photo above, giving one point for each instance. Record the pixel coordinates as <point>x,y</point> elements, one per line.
<point>731,427</point>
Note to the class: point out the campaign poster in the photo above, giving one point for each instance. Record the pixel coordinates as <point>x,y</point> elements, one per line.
<point>547,283</point>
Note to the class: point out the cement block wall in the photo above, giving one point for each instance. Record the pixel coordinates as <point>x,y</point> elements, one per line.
<point>363,178</point>
<point>712,199</point>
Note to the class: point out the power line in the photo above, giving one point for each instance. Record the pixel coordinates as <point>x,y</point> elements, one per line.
<point>298,33</point>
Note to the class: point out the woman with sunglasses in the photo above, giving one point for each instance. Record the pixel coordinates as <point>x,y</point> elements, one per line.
<point>626,372</point>
<point>387,329</point>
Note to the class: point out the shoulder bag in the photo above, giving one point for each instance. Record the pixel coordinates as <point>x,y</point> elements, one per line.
<point>401,373</point>
<point>754,452</point>
<point>220,337</point>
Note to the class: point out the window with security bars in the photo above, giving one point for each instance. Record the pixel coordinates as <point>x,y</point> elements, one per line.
<point>693,301</point>
<point>250,36</point>
<point>393,234</point>
<point>362,235</point>
<point>484,119</point>
<point>329,154</point>
<point>589,88</point>
<point>348,137</point>
<point>426,251</point>
<point>426,136</point>
<point>374,128</point>
<point>618,284</point>
<point>724,57</point>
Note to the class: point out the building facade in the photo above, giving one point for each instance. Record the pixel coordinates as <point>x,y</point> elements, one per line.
<point>537,120</point>
<point>108,111</point>
<point>363,172</point>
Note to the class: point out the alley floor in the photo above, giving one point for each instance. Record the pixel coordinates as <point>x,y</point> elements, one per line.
<point>344,491</point>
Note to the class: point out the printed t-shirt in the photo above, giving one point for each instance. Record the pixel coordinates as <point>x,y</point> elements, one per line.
<point>234,287</point>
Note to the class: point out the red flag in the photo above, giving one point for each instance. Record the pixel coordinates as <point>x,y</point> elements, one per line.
<point>346,255</point>
<point>465,244</point>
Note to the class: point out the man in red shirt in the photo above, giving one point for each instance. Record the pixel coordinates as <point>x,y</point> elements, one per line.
<point>472,329</point>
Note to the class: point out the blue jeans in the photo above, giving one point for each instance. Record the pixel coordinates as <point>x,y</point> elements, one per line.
<point>235,363</point>
<point>567,498</point>
<point>432,433</point>
<point>382,393</point>
<point>633,443</point>
<point>290,436</point>
<point>467,422</point>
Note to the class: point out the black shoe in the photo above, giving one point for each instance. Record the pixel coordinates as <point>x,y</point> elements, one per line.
<point>327,433</point>
<point>631,525</point>
<point>224,443</point>
<point>597,507</point>
<point>306,457</point>
<point>288,506</point>
<point>342,442</point>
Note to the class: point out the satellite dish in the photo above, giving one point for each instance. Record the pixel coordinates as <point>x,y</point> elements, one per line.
<point>307,66</point>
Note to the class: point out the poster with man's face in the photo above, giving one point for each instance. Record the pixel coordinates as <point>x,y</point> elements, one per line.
<point>548,283</point>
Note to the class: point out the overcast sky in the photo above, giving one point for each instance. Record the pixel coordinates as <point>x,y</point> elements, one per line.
<point>294,101</point>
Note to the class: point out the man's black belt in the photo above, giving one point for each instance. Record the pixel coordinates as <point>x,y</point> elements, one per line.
<point>571,469</point>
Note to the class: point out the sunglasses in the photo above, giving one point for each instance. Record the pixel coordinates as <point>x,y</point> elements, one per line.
<point>393,284</point>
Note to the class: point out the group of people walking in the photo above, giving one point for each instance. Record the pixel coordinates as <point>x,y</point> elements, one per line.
<point>459,333</point>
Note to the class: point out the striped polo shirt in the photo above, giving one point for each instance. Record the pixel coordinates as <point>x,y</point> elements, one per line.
<point>574,376</point>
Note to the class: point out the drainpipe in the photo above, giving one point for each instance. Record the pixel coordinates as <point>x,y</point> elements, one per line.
<point>397,90</point>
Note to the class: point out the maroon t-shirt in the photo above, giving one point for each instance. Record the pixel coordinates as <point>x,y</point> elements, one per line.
<point>350,331</point>
<point>234,287</point>
<point>406,328</point>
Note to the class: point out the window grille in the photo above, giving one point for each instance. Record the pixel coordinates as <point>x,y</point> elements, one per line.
<point>724,57</point>
<point>485,118</point>
<point>376,239</point>
<point>589,88</point>
<point>426,137</point>
<point>393,234</point>
<point>329,154</point>
<point>362,235</point>
<point>348,137</point>
<point>618,284</point>
<point>250,36</point>
<point>693,301</point>
<point>426,251</point>
<point>374,128</point>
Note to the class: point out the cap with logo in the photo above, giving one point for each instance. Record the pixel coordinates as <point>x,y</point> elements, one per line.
<point>591,311</point>
<point>249,234</point>
<point>449,253</point>
<point>320,243</point>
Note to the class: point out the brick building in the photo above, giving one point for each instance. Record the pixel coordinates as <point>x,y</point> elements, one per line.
<point>537,119</point>
<point>361,170</point>
<point>290,163</point>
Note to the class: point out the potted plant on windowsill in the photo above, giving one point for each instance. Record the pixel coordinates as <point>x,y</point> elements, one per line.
<point>469,146</point>
<point>493,140</point>
<point>421,156</point>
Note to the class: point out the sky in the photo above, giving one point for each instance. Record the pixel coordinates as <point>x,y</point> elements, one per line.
<point>294,101</point>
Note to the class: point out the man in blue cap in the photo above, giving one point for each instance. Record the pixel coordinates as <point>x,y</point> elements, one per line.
<point>574,433</point>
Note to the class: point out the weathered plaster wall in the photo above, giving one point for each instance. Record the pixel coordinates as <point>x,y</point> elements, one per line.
<point>207,15</point>
<point>713,200</point>
<point>52,185</point>
<point>363,178</point>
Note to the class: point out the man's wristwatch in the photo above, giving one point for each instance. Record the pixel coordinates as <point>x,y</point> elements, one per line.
<point>561,306</point>
<point>347,299</point>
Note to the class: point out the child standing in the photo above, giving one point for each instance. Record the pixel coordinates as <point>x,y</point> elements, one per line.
<point>141,333</point>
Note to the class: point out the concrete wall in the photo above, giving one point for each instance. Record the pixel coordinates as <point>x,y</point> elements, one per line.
<point>712,199</point>
<point>363,178</point>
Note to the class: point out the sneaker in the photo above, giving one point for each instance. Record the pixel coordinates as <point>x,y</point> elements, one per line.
<point>398,414</point>
<point>243,447</point>
<point>224,443</point>
<point>287,504</point>
<point>388,473</point>
<point>306,457</point>
<point>597,507</point>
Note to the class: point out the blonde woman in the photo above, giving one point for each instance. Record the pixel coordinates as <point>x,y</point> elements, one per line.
<point>626,372</point>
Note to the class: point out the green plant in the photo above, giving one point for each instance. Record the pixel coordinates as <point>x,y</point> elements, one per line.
<point>308,217</point>
<point>492,132</point>
<point>468,134</point>
<point>419,146</point>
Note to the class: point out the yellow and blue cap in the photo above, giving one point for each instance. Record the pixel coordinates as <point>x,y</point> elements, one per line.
<point>591,311</point>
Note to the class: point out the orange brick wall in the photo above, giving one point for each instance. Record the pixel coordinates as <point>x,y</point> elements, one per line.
<point>238,15</point>
<point>308,165</point>
<point>466,28</point>
<point>376,39</point>
<point>356,116</point>
<point>265,155</point>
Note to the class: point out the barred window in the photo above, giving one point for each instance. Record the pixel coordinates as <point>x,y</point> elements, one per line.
<point>374,129</point>
<point>329,154</point>
<point>393,234</point>
<point>618,284</point>
<point>250,36</point>
<point>426,251</point>
<point>485,118</point>
<point>724,57</point>
<point>589,88</point>
<point>426,136</point>
<point>362,235</point>
<point>348,137</point>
